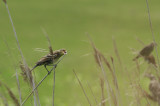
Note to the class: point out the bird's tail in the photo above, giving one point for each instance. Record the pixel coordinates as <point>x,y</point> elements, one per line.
<point>34,67</point>
<point>136,57</point>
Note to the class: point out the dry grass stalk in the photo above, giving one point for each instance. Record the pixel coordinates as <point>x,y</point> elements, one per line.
<point>24,62</point>
<point>31,81</point>
<point>117,53</point>
<point>13,97</point>
<point>113,97</point>
<point>24,74</point>
<point>102,91</point>
<point>154,88</point>
<point>82,88</point>
<point>116,84</point>
<point>98,57</point>
<point>150,23</point>
<point>149,96</point>
<point>51,52</point>
<point>49,42</point>
<point>4,100</point>
<point>92,93</point>
<point>138,94</point>
<point>114,75</point>
<point>137,72</point>
<point>138,91</point>
<point>136,88</point>
<point>107,63</point>
<point>141,94</point>
<point>36,91</point>
<point>14,65</point>
<point>109,90</point>
<point>140,41</point>
<point>151,60</point>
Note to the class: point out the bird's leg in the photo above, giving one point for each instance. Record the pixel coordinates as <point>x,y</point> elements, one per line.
<point>55,65</point>
<point>47,69</point>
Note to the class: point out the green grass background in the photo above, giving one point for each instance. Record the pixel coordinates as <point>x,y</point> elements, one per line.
<point>66,22</point>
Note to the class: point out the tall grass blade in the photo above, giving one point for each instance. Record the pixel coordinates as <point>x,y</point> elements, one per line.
<point>102,91</point>
<point>150,23</point>
<point>117,53</point>
<point>4,100</point>
<point>54,81</point>
<point>82,87</point>
<point>97,56</point>
<point>24,62</point>
<point>116,85</point>
<point>13,97</point>
<point>49,42</point>
<point>92,93</point>
<point>17,79</point>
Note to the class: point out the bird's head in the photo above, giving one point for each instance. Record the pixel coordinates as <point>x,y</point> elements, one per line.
<point>60,52</point>
<point>63,51</point>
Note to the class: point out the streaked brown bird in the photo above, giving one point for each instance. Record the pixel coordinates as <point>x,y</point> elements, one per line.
<point>146,51</point>
<point>50,59</point>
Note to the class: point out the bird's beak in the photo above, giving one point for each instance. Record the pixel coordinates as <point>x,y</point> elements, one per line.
<point>65,52</point>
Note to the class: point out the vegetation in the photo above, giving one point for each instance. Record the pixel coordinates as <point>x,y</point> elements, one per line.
<point>113,31</point>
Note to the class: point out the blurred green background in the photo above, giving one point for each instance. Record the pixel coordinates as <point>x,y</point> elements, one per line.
<point>66,22</point>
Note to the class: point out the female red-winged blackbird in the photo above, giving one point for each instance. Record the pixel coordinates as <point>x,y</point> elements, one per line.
<point>50,59</point>
<point>146,51</point>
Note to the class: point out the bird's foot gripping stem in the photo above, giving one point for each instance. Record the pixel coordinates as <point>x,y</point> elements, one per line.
<point>49,72</point>
<point>55,66</point>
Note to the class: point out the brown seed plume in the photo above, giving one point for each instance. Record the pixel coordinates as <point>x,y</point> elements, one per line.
<point>151,60</point>
<point>154,88</point>
<point>24,73</point>
<point>13,97</point>
<point>5,1</point>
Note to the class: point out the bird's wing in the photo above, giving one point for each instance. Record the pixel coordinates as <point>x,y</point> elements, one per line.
<point>51,56</point>
<point>45,59</point>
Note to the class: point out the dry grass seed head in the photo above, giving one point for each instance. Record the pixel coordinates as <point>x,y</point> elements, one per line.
<point>5,1</point>
<point>50,50</point>
<point>154,87</point>
<point>97,56</point>
<point>151,60</point>
<point>102,91</point>
<point>4,100</point>
<point>13,97</point>
<point>24,73</point>
<point>113,97</point>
